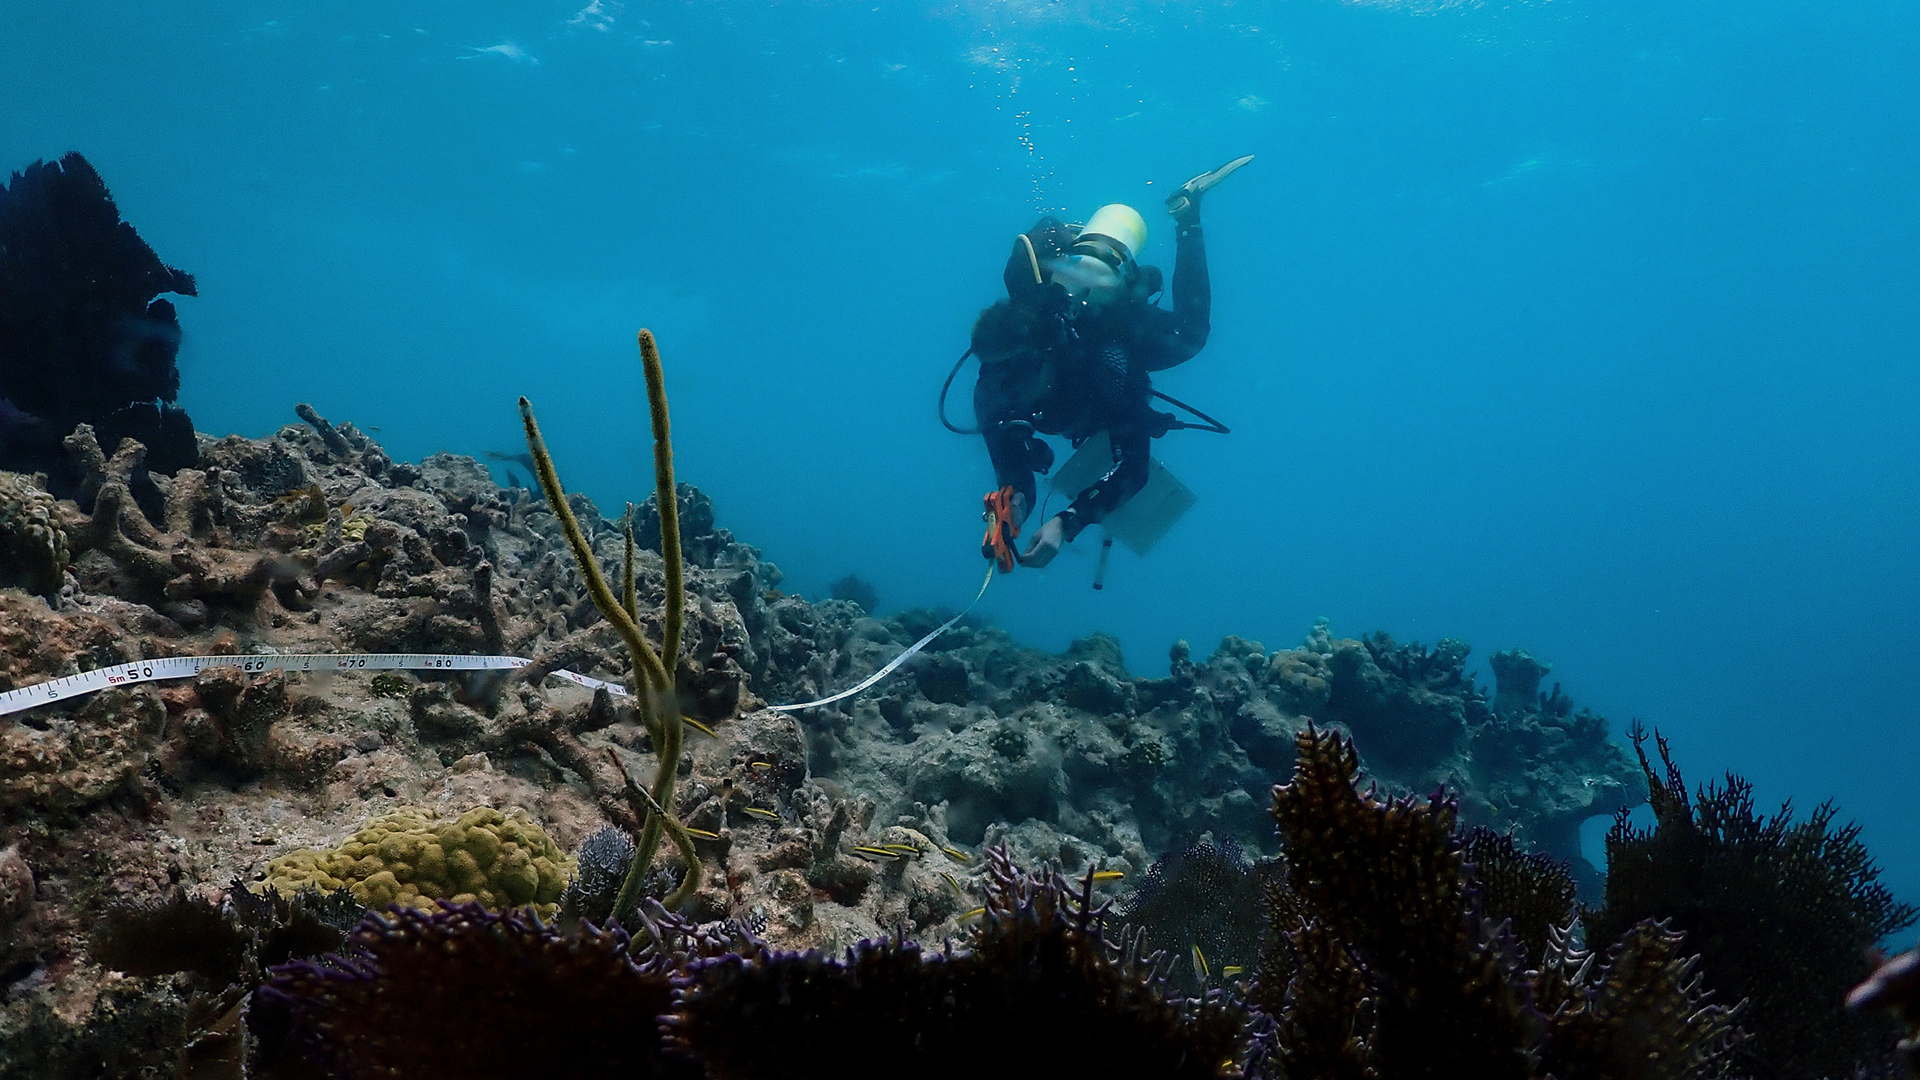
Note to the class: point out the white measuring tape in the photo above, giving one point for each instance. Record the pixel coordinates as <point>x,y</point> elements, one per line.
<point>898,660</point>
<point>186,667</point>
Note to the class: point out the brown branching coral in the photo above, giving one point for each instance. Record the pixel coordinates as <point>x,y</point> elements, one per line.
<point>1399,969</point>
<point>1389,881</point>
<point>1207,897</point>
<point>1639,1016</point>
<point>1781,912</point>
<point>1533,892</point>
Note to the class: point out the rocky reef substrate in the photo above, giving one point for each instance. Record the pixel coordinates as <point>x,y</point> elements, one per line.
<point>315,540</point>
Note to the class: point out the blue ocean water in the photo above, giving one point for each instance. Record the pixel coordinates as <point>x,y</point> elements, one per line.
<point>1584,327</point>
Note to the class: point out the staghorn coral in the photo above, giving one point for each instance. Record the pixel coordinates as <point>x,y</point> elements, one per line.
<point>1040,974</point>
<point>1389,881</point>
<point>1208,896</point>
<point>1532,892</point>
<point>1641,1015</point>
<point>1781,912</point>
<point>486,995</point>
<point>1396,970</point>
<point>414,857</point>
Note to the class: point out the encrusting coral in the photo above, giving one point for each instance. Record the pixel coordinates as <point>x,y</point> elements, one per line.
<point>414,857</point>
<point>1782,913</point>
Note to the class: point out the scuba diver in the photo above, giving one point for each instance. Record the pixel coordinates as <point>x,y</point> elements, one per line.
<point>1070,352</point>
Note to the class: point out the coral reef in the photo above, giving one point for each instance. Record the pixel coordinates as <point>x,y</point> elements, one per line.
<point>858,822</point>
<point>1782,913</point>
<point>856,589</point>
<point>1095,764</point>
<point>83,335</point>
<point>413,857</point>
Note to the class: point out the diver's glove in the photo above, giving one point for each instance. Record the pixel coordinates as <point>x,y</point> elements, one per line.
<point>1184,204</point>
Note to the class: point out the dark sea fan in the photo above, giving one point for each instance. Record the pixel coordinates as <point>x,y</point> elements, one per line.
<point>1781,912</point>
<point>84,337</point>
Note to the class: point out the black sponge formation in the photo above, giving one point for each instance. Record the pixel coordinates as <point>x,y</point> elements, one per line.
<point>84,337</point>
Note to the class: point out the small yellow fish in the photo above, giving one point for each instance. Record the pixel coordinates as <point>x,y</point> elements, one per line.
<point>700,727</point>
<point>955,854</point>
<point>878,852</point>
<point>974,914</point>
<point>1107,875</point>
<point>1231,970</point>
<point>904,849</point>
<point>701,833</point>
<point>757,812</point>
<point>1200,963</point>
<point>759,764</point>
<point>952,882</point>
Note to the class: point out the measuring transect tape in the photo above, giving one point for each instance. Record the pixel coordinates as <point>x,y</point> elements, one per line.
<point>898,660</point>
<point>186,667</point>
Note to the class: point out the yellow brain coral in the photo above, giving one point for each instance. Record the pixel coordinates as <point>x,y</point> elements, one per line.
<point>414,856</point>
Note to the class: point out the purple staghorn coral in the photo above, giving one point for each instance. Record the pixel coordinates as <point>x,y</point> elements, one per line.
<point>464,992</point>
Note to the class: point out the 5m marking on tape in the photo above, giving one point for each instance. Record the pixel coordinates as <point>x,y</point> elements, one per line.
<point>186,667</point>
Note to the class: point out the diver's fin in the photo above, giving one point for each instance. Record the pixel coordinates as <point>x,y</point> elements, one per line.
<point>1180,202</point>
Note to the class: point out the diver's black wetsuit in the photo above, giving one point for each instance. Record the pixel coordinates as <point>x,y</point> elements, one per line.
<point>1078,373</point>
